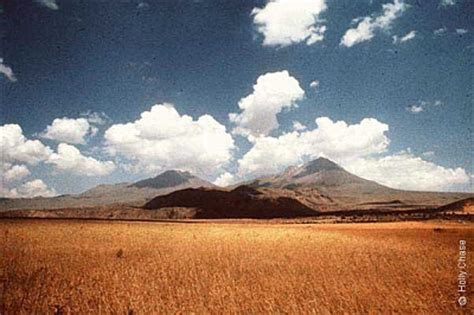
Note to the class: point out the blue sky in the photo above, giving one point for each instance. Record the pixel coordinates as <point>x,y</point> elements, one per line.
<point>406,68</point>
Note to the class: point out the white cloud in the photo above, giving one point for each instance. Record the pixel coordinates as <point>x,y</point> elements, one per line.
<point>297,126</point>
<point>286,22</point>
<point>415,109</point>
<point>163,139</point>
<point>367,26</point>
<point>407,37</point>
<point>225,179</point>
<point>7,71</point>
<point>271,94</point>
<point>75,130</point>
<point>15,147</point>
<point>50,4</point>
<point>461,31</point>
<point>314,84</point>
<point>68,130</point>
<point>70,159</point>
<point>335,140</point>
<point>14,172</point>
<point>440,31</point>
<point>446,3</point>
<point>406,171</point>
<point>34,188</point>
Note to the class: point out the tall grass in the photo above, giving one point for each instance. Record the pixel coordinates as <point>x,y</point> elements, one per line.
<point>157,268</point>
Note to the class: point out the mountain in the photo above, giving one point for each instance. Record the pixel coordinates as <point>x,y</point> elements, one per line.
<point>323,175</point>
<point>324,185</point>
<point>123,193</point>
<point>163,183</point>
<point>314,188</point>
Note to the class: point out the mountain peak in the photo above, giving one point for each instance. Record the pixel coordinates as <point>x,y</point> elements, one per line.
<point>169,178</point>
<point>174,173</point>
<point>318,165</point>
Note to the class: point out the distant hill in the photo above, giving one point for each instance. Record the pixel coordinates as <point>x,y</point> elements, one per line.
<point>129,193</point>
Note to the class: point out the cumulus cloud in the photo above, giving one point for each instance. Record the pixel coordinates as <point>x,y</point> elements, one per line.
<point>367,26</point>
<point>50,4</point>
<point>69,158</point>
<point>407,37</point>
<point>7,71</point>
<point>14,172</point>
<point>163,139</point>
<point>68,130</point>
<point>75,130</point>
<point>34,188</point>
<point>286,22</point>
<point>272,93</point>
<point>406,171</point>
<point>16,147</point>
<point>461,31</point>
<point>336,140</point>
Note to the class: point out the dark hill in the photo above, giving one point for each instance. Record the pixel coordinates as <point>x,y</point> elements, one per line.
<point>242,202</point>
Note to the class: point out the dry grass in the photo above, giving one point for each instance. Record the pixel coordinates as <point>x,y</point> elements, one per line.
<point>222,268</point>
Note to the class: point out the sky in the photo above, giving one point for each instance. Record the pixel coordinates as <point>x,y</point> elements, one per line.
<point>106,91</point>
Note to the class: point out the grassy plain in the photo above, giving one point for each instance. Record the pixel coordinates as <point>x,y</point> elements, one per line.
<point>93,267</point>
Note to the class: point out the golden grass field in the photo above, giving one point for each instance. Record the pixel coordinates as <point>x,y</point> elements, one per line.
<point>93,267</point>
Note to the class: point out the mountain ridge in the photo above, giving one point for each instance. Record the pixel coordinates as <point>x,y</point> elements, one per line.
<point>320,185</point>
